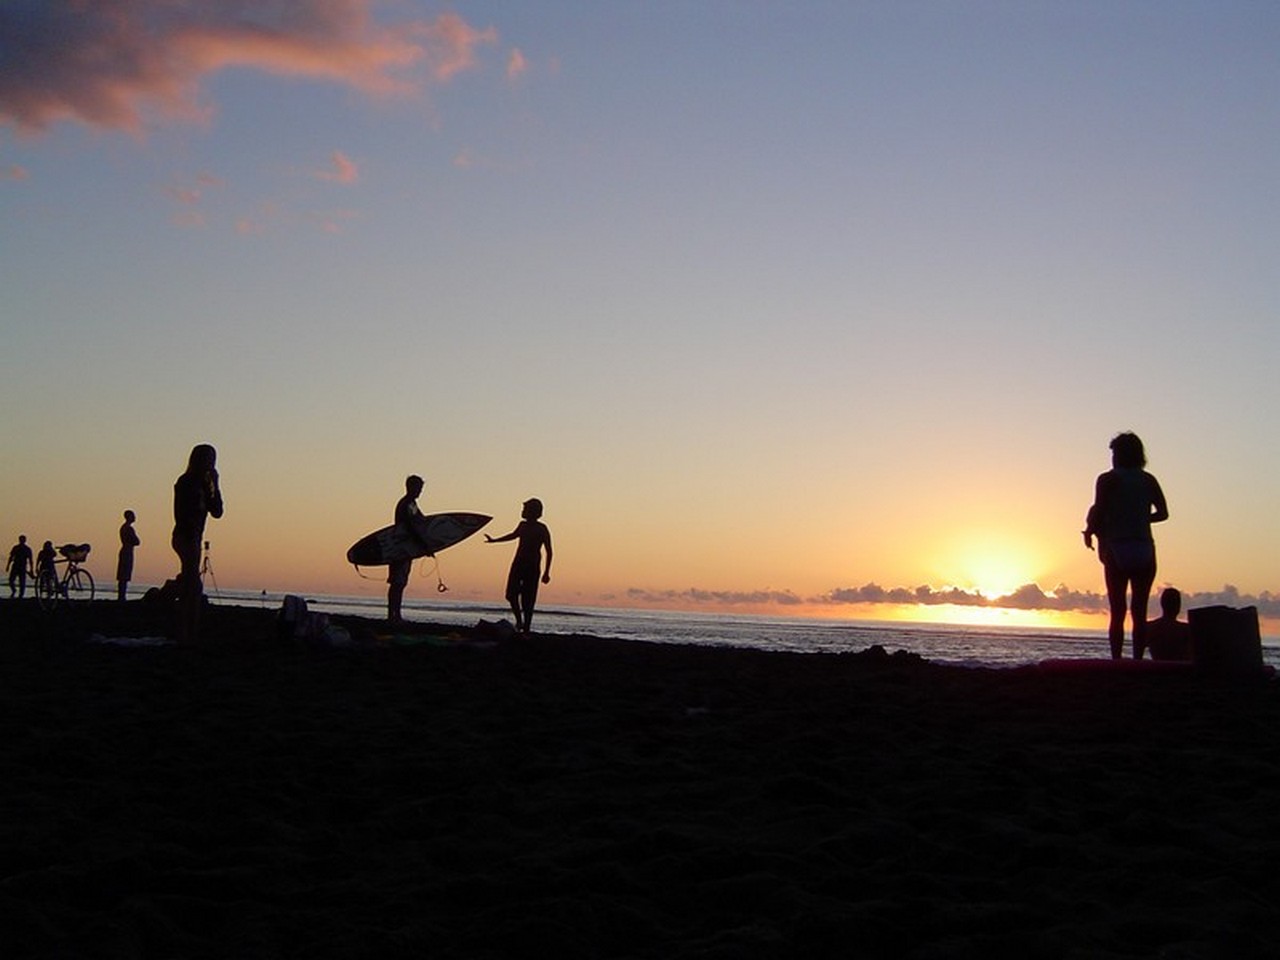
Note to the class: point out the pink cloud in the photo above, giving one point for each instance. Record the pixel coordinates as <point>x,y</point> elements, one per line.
<point>342,169</point>
<point>516,64</point>
<point>449,44</point>
<point>14,172</point>
<point>109,63</point>
<point>467,159</point>
<point>188,196</point>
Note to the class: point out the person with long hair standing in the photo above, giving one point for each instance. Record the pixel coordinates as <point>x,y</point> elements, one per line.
<point>196,497</point>
<point>1126,502</point>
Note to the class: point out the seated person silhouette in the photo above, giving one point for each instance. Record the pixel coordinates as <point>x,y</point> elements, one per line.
<point>1169,638</point>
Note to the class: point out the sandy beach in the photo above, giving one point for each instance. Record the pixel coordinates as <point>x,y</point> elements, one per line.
<point>565,796</point>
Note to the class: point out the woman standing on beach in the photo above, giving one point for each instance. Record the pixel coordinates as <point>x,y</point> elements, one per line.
<point>196,497</point>
<point>124,563</point>
<point>1126,502</point>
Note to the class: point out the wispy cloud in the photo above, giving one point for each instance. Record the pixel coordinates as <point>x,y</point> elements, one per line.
<point>188,195</point>
<point>449,44</point>
<point>468,159</point>
<point>516,64</point>
<point>716,597</point>
<point>334,221</point>
<point>14,172</point>
<point>108,63</point>
<point>266,216</point>
<point>184,195</point>
<point>341,169</point>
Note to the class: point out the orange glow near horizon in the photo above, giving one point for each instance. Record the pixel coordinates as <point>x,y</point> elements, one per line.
<point>958,615</point>
<point>942,614</point>
<point>993,563</point>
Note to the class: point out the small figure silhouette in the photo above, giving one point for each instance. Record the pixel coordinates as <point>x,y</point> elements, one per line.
<point>406,516</point>
<point>1127,501</point>
<point>124,565</point>
<point>1168,637</point>
<point>19,567</point>
<point>196,497</point>
<point>522,581</point>
<point>47,565</point>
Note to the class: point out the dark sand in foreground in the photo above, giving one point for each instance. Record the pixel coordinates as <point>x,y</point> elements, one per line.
<point>575,797</point>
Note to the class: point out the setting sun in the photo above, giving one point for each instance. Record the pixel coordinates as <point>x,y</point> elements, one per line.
<point>877,373</point>
<point>994,564</point>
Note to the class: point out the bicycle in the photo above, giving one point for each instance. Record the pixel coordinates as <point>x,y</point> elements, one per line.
<point>76,582</point>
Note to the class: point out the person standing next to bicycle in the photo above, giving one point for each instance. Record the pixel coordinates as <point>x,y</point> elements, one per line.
<point>19,567</point>
<point>46,564</point>
<point>196,497</point>
<point>124,565</point>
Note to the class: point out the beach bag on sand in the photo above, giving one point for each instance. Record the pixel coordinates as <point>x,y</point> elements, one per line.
<point>494,630</point>
<point>295,622</point>
<point>291,617</point>
<point>1226,641</point>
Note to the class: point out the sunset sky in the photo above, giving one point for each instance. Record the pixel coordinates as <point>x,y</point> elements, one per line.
<point>777,306</point>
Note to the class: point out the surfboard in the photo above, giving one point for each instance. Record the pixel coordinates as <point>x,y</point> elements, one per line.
<point>432,533</point>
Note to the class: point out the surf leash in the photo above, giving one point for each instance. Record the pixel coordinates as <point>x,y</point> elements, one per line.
<point>435,566</point>
<point>441,587</point>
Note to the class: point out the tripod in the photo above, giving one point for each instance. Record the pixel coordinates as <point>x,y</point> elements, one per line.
<point>206,567</point>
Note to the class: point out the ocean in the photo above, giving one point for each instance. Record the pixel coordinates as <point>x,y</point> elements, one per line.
<point>970,646</point>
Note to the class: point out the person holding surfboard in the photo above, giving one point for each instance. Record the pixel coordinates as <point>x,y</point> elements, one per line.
<point>522,581</point>
<point>407,517</point>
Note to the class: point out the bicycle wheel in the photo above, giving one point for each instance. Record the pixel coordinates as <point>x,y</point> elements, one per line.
<point>80,585</point>
<point>47,592</point>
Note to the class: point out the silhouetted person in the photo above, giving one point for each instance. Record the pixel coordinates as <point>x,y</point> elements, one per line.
<point>1126,502</point>
<point>19,567</point>
<point>1169,638</point>
<point>196,497</point>
<point>406,516</point>
<point>522,581</point>
<point>124,564</point>
<point>47,564</point>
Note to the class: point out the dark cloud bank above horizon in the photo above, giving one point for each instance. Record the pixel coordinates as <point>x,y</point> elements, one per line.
<point>1027,597</point>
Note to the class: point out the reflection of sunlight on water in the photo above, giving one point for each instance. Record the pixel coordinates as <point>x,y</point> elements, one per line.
<point>965,616</point>
<point>1009,638</point>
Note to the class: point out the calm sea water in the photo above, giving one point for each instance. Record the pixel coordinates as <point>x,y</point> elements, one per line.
<point>958,645</point>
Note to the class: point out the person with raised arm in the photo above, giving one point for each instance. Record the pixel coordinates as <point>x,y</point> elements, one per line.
<point>196,497</point>
<point>522,581</point>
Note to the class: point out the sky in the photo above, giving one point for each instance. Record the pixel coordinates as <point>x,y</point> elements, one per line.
<point>824,308</point>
